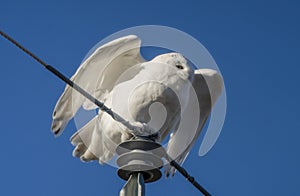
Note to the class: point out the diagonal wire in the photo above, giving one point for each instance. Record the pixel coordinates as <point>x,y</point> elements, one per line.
<point>101,106</point>
<point>190,178</point>
<point>60,75</point>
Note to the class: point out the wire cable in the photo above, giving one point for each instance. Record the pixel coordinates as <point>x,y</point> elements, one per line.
<point>135,130</point>
<point>190,178</point>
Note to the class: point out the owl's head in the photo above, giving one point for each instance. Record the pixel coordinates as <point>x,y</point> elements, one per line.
<point>177,61</point>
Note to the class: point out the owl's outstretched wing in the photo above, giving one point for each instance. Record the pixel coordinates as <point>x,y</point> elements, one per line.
<point>208,86</point>
<point>97,75</point>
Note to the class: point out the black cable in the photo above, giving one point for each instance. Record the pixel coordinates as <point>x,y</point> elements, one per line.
<point>61,76</point>
<point>191,179</point>
<point>99,104</point>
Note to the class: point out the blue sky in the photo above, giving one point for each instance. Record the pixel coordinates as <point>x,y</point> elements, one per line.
<point>255,44</point>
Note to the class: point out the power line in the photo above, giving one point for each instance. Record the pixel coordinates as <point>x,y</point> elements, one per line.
<point>190,178</point>
<point>60,75</point>
<point>101,106</point>
<point>73,85</point>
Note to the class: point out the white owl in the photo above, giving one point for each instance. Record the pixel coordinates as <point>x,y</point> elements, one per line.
<point>152,96</point>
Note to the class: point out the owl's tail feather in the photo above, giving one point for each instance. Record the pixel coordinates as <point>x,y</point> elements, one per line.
<point>82,139</point>
<point>90,143</point>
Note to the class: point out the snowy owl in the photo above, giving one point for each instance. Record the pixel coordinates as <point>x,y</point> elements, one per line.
<point>151,95</point>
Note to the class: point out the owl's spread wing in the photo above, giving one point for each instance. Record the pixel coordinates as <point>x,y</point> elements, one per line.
<point>97,75</point>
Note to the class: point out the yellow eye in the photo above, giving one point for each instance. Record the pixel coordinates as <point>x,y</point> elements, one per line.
<point>179,66</point>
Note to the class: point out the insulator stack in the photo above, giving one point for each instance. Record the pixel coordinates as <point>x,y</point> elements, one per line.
<point>140,156</point>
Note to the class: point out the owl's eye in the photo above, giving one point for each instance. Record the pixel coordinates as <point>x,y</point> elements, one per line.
<point>179,66</point>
